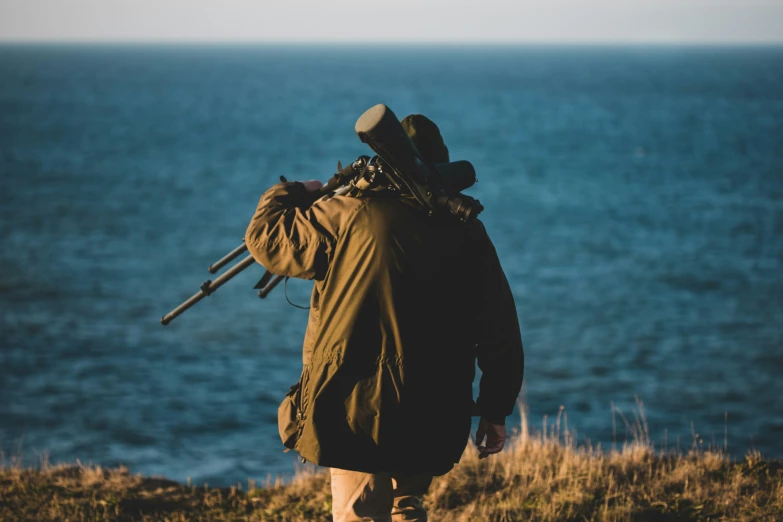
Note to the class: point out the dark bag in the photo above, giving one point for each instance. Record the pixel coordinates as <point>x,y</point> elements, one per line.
<point>287,417</point>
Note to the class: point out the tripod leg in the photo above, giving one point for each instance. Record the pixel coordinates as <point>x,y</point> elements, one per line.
<point>269,287</point>
<point>207,288</point>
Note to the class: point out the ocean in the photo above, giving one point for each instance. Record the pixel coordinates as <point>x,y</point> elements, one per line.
<point>634,195</point>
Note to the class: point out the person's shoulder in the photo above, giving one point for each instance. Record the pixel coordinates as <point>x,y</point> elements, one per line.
<point>337,207</point>
<point>476,230</point>
<point>384,206</point>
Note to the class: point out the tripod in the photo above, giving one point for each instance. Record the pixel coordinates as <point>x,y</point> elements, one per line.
<point>269,281</point>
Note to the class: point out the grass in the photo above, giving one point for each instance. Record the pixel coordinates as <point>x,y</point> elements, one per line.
<point>541,476</point>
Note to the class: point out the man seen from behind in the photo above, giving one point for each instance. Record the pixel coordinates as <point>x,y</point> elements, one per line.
<point>403,306</point>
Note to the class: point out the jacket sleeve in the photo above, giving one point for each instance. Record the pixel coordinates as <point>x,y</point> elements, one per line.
<point>288,236</point>
<point>498,339</point>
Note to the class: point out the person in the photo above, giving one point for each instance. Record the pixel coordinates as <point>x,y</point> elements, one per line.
<point>403,306</point>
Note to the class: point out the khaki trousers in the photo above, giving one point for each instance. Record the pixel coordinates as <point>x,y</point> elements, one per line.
<point>378,497</point>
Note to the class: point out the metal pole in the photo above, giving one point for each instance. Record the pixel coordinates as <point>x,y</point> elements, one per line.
<point>270,286</point>
<point>228,258</point>
<point>207,288</point>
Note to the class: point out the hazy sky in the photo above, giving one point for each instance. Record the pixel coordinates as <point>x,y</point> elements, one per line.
<point>395,21</point>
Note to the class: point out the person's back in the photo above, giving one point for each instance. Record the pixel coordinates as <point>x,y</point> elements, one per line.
<point>404,304</point>
<point>389,336</point>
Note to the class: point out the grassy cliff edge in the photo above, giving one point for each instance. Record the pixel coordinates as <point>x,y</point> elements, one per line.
<point>541,477</point>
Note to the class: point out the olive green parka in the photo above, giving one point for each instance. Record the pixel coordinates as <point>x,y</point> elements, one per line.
<point>402,307</point>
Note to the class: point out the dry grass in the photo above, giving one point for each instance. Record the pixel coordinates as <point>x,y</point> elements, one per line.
<point>91,493</point>
<point>542,476</point>
<point>545,479</point>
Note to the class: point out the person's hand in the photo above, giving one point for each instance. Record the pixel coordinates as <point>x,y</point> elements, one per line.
<point>312,185</point>
<point>495,435</point>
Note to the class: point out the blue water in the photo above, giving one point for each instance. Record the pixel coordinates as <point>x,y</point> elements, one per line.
<point>635,197</point>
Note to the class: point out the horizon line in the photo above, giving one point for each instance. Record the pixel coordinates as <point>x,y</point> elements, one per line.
<point>521,43</point>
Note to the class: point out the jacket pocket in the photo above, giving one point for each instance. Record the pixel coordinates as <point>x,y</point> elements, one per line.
<point>288,416</point>
<point>373,406</point>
